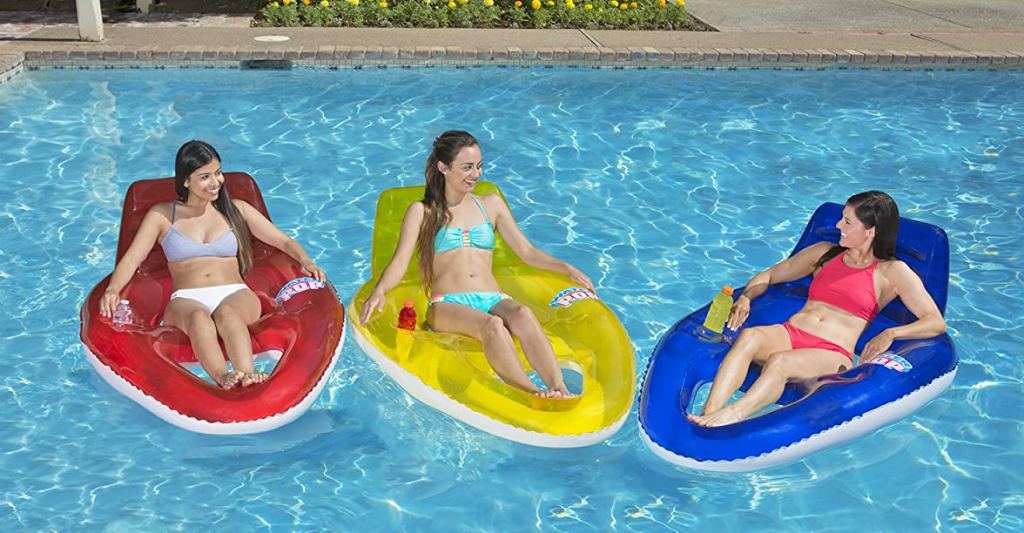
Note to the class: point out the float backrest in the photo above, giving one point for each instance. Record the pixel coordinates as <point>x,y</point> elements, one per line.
<point>922,246</point>
<point>144,194</point>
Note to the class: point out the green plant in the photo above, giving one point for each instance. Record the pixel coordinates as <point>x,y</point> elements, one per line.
<point>597,14</point>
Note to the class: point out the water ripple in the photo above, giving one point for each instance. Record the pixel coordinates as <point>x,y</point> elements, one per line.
<point>661,185</point>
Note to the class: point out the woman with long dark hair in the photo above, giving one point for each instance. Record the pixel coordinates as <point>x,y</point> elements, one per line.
<point>206,238</point>
<point>454,231</point>
<point>853,281</point>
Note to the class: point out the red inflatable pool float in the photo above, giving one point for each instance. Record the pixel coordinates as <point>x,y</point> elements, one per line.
<point>303,327</point>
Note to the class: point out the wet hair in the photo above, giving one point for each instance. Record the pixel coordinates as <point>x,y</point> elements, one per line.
<point>192,156</point>
<point>875,209</point>
<point>436,215</point>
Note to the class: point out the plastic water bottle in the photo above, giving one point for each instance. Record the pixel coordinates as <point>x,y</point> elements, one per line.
<point>123,314</point>
<point>719,312</point>
<point>407,316</point>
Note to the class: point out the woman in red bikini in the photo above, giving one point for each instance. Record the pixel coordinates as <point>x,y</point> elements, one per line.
<point>852,282</point>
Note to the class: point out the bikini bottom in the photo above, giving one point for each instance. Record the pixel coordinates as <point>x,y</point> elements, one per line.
<point>210,297</point>
<point>799,338</point>
<point>481,301</point>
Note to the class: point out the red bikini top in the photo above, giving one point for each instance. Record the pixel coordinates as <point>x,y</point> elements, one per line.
<point>850,289</point>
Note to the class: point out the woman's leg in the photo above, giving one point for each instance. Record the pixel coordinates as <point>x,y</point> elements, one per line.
<point>753,345</point>
<point>522,323</point>
<point>490,330</point>
<point>232,317</point>
<point>781,367</point>
<point>194,319</point>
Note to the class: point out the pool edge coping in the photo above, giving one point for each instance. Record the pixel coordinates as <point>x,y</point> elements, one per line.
<point>359,56</point>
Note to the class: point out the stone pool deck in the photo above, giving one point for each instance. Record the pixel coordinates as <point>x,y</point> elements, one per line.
<point>988,34</point>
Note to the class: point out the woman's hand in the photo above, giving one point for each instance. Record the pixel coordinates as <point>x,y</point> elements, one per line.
<point>877,346</point>
<point>581,278</point>
<point>376,302</point>
<point>309,267</point>
<point>739,313</point>
<point>108,302</point>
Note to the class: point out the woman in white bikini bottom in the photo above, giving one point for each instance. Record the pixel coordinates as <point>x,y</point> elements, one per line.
<point>210,297</point>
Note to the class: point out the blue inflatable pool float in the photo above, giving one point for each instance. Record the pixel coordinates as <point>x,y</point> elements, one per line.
<point>832,410</point>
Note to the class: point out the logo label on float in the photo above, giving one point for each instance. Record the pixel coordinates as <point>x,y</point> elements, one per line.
<point>572,295</point>
<point>893,362</point>
<point>296,286</point>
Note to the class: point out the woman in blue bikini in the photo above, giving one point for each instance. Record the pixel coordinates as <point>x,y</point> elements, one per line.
<point>210,298</point>
<point>455,232</point>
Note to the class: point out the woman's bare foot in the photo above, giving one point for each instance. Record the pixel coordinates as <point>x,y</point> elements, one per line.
<point>722,417</point>
<point>231,379</point>
<point>557,394</point>
<point>252,378</point>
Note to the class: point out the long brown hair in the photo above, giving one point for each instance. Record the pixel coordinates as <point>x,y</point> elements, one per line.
<point>875,209</point>
<point>435,212</point>
<point>192,156</point>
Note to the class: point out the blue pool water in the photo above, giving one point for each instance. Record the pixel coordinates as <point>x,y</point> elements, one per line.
<point>662,185</point>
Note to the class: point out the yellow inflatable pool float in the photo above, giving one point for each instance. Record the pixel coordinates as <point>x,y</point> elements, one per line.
<point>449,372</point>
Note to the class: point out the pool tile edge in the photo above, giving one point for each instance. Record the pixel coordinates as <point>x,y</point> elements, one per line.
<point>355,56</point>
<point>10,65</point>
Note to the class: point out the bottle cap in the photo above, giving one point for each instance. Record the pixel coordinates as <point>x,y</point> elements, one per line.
<point>124,302</point>
<point>727,289</point>
<point>410,303</point>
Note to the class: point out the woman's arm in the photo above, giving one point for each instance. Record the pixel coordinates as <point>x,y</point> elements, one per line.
<point>506,225</point>
<point>399,263</point>
<point>141,245</point>
<point>265,230</point>
<point>789,269</point>
<point>909,288</point>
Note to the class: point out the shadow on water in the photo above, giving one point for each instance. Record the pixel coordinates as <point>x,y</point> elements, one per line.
<point>314,434</point>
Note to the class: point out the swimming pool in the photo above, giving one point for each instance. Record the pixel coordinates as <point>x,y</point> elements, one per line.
<point>661,185</point>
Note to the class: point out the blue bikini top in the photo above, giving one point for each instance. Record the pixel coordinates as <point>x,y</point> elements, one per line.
<point>178,247</point>
<point>479,236</point>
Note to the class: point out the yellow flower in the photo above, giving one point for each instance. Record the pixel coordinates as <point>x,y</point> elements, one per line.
<point>661,3</point>
<point>588,7</point>
<point>518,4</point>
<point>463,1</point>
<point>488,3</point>
<point>286,2</point>
<point>623,6</point>
<point>451,3</point>
<point>613,3</point>
<point>680,3</point>
<point>535,5</point>
<point>305,2</point>
<point>355,2</point>
<point>383,4</point>
<point>325,3</point>
<point>275,4</point>
<point>551,2</point>
<point>569,4</point>
<point>632,4</point>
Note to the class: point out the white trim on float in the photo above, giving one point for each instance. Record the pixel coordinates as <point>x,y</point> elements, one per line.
<point>871,421</point>
<point>444,403</point>
<point>214,428</point>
